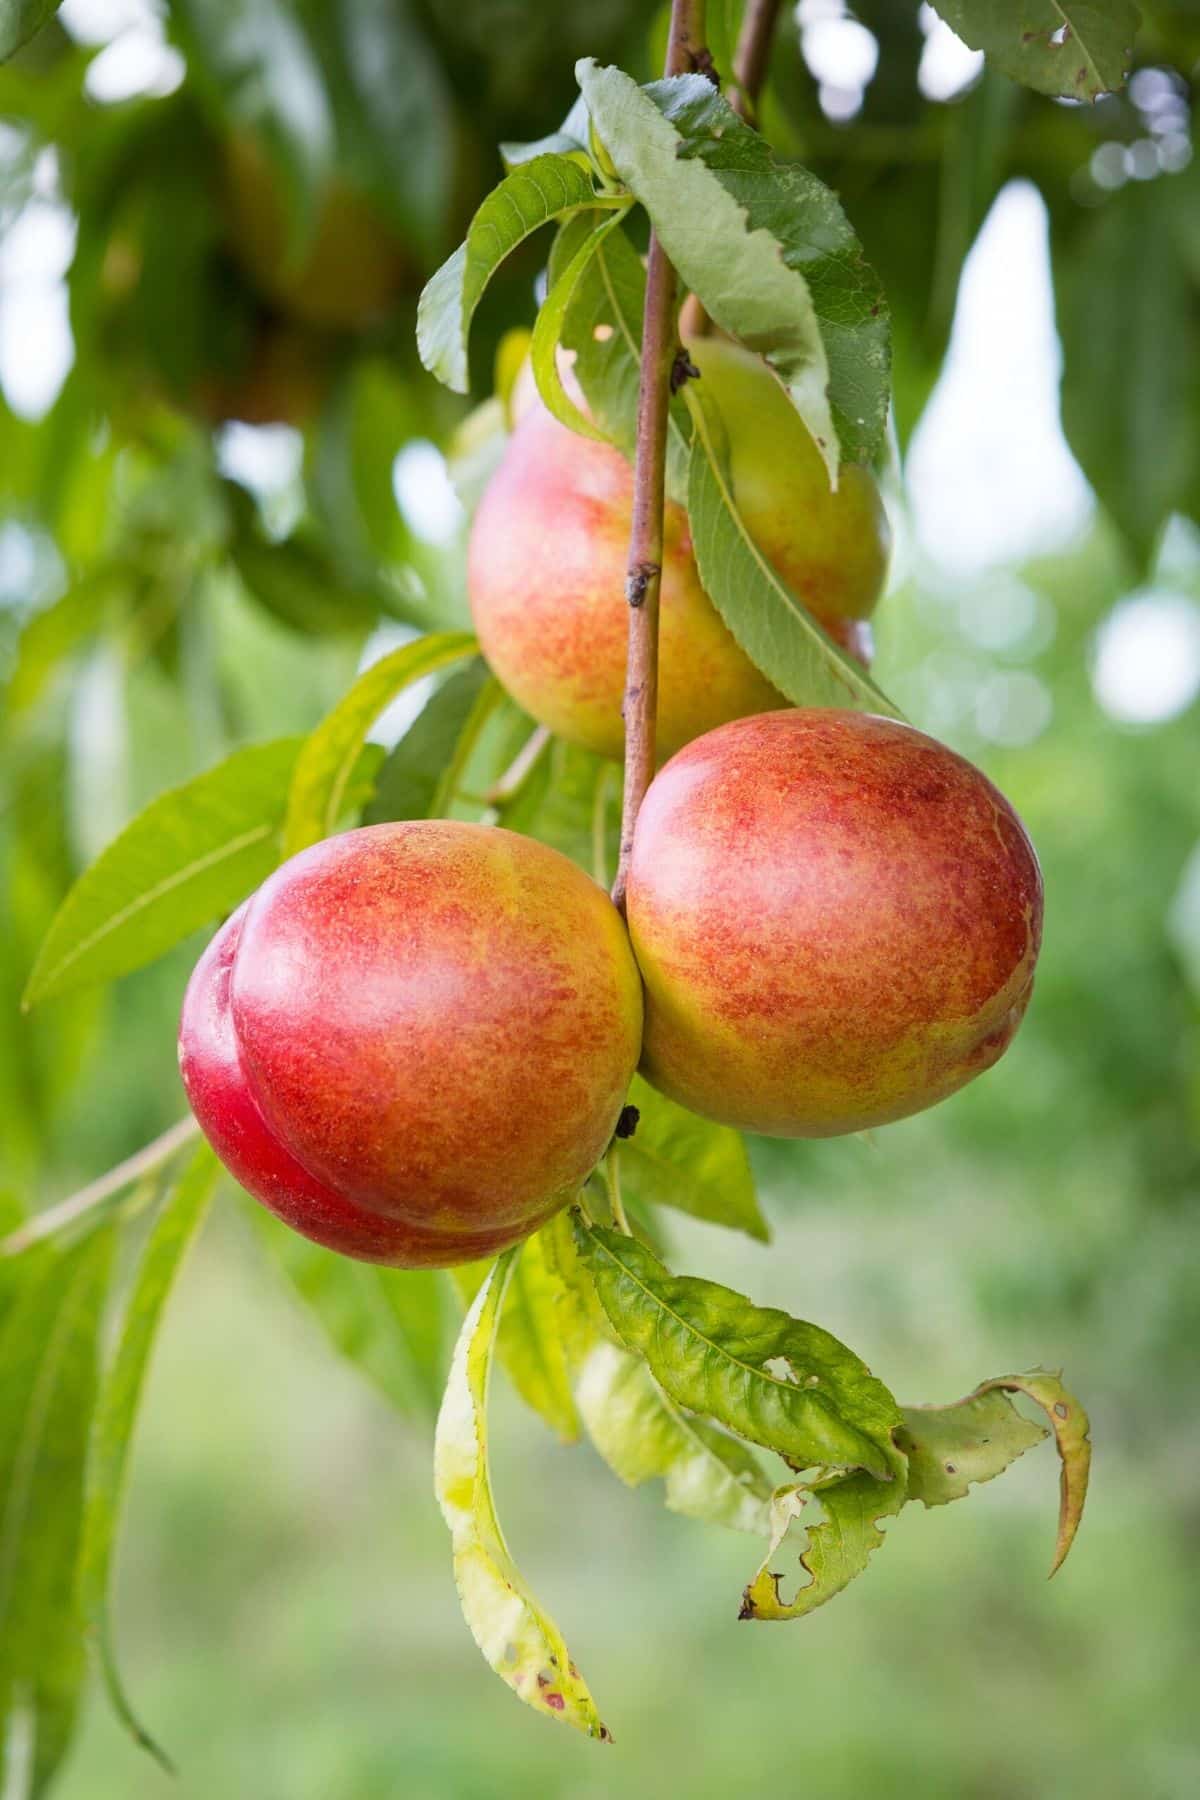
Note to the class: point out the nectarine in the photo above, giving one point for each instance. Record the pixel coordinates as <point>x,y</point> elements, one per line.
<point>546,569</point>
<point>836,919</point>
<point>414,1042</point>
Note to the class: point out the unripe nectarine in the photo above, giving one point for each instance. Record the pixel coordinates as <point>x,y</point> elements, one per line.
<point>414,1042</point>
<point>836,919</point>
<point>546,568</point>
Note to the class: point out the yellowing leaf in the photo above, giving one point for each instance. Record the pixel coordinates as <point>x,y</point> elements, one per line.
<point>522,1644</point>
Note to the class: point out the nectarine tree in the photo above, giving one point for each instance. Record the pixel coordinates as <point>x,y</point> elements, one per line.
<point>414,1035</point>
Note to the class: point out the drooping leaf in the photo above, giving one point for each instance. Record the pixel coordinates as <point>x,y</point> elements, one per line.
<point>676,1159</point>
<point>837,1548</point>
<point>48,1353</point>
<point>547,331</point>
<point>390,1323</point>
<point>781,1383</point>
<point>413,774</point>
<point>521,1643</point>
<point>193,854</point>
<point>175,1228</point>
<point>1072,1438</point>
<point>327,760</point>
<point>20,20</point>
<point>951,1447</point>
<point>945,1451</point>
<point>774,628</point>
<point>735,264</point>
<point>1075,48</point>
<point>644,1436</point>
<point>534,193</point>
<point>1126,300</point>
<point>532,1342</point>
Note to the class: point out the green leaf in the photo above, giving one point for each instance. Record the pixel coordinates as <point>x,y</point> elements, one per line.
<point>259,69</point>
<point>602,325</point>
<point>643,1436</point>
<point>1075,48</point>
<point>837,1547</point>
<point>786,1385</point>
<point>731,260</point>
<point>814,239</point>
<point>777,632</point>
<point>951,1447</point>
<point>413,775</point>
<point>326,763</point>
<point>48,1352</point>
<point>193,854</point>
<point>56,633</point>
<point>547,332</point>
<point>571,139</point>
<point>1126,299</point>
<point>676,1159</point>
<point>297,584</point>
<point>390,1323</point>
<point>20,19</point>
<point>179,1219</point>
<point>519,1641</point>
<point>534,193</point>
<point>532,1342</point>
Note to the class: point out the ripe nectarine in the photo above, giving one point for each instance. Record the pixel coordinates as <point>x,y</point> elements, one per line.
<point>414,1042</point>
<point>836,919</point>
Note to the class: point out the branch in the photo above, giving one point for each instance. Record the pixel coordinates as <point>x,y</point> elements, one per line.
<point>54,1218</point>
<point>643,580</point>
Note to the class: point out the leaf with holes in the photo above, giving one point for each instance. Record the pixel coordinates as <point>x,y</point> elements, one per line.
<point>325,765</point>
<point>777,632</point>
<point>192,855</point>
<point>1078,49</point>
<point>48,1352</point>
<point>534,193</point>
<point>772,1379</point>
<point>521,1643</point>
<point>698,1167</point>
<point>644,1436</point>
<point>179,1219</point>
<point>837,1545</point>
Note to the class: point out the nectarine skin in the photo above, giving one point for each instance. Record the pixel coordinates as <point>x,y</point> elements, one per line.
<point>836,918</point>
<point>548,549</point>
<point>414,1042</point>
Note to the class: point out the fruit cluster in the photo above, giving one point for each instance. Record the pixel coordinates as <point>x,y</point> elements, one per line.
<point>415,1041</point>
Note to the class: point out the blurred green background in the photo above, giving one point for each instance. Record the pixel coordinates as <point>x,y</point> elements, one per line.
<point>286,1608</point>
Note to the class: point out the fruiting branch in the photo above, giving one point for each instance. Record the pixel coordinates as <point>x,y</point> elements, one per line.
<point>685,52</point>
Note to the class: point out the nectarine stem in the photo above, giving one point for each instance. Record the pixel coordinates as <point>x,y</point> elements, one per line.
<point>612,1184</point>
<point>685,52</point>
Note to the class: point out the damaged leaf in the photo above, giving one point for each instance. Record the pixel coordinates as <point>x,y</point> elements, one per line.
<point>522,1644</point>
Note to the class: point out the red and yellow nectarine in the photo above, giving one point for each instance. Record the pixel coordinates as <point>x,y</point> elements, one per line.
<point>414,1042</point>
<point>836,919</point>
<point>548,548</point>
